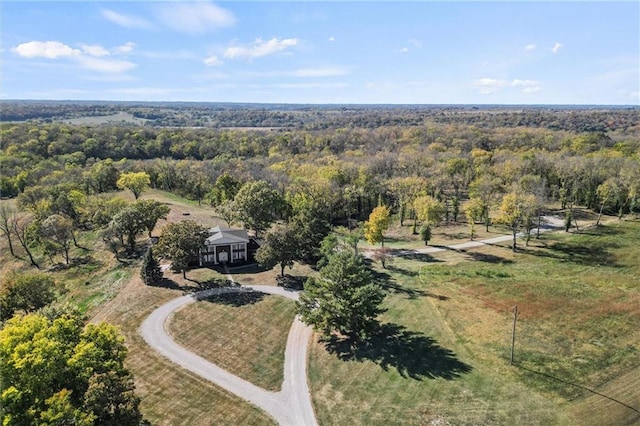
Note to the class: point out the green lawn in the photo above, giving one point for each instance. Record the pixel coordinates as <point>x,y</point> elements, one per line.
<point>445,352</point>
<point>244,333</point>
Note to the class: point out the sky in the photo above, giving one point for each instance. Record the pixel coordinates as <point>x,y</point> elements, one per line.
<point>382,52</point>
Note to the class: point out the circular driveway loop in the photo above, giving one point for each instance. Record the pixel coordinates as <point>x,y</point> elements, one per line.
<point>290,406</point>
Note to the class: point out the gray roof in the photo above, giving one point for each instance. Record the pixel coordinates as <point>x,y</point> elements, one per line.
<point>222,236</point>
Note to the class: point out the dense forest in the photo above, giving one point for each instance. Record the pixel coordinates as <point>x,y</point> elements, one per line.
<point>347,169</point>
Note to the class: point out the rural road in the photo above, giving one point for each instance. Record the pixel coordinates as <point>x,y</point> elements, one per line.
<point>290,406</point>
<point>550,223</point>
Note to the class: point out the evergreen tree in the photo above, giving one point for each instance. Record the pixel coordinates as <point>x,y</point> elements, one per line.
<point>344,298</point>
<point>150,271</point>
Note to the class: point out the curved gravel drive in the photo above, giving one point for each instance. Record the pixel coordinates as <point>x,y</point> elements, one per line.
<point>291,406</point>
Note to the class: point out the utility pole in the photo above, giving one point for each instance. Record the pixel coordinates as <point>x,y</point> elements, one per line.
<point>513,332</point>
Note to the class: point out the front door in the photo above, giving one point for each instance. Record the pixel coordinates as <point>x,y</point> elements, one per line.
<point>224,254</point>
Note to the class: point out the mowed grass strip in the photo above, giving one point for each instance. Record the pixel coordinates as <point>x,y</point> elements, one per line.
<point>244,333</point>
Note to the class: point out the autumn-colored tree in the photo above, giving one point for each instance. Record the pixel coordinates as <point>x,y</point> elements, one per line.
<point>516,210</point>
<point>377,224</point>
<point>136,182</point>
<point>428,210</point>
<point>474,210</point>
<point>57,371</point>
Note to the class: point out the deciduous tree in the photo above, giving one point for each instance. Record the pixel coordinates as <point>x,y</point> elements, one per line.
<point>258,205</point>
<point>281,246</point>
<point>130,223</point>
<point>25,292</point>
<point>516,210</point>
<point>180,243</point>
<point>59,372</point>
<point>428,210</point>
<point>7,215</point>
<point>151,211</point>
<point>57,229</point>
<point>136,182</point>
<point>474,210</point>
<point>377,224</point>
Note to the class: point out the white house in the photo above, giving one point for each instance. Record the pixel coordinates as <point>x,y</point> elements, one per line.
<point>224,245</point>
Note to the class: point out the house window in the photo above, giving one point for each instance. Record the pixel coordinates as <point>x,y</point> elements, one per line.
<point>237,252</point>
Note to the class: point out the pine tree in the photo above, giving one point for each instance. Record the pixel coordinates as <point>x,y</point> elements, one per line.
<point>343,299</point>
<point>150,271</point>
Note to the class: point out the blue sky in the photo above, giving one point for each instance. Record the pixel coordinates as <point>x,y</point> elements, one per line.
<point>323,52</point>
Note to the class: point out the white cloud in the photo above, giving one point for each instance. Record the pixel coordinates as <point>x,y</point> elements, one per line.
<point>260,48</point>
<point>194,18</point>
<point>212,61</point>
<point>404,50</point>
<point>45,49</point>
<point>488,86</point>
<point>126,21</point>
<point>91,57</point>
<point>332,38</point>
<point>530,46</point>
<point>556,47</point>
<point>109,66</point>
<point>125,48</point>
<point>94,50</point>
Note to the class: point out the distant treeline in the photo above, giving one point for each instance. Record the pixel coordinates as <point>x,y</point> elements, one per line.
<point>318,117</point>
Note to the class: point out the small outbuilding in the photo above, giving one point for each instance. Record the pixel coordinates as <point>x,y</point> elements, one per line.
<point>225,246</point>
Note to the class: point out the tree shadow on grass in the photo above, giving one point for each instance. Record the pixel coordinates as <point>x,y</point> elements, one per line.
<point>167,283</point>
<point>595,253</point>
<point>412,354</point>
<point>487,258</point>
<point>599,231</point>
<point>420,257</point>
<point>403,271</point>
<point>411,293</point>
<point>236,300</point>
<point>291,282</point>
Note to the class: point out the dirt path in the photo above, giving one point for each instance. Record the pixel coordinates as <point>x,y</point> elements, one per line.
<point>290,406</point>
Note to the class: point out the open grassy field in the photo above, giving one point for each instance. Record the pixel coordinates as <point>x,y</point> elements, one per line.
<point>443,355</point>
